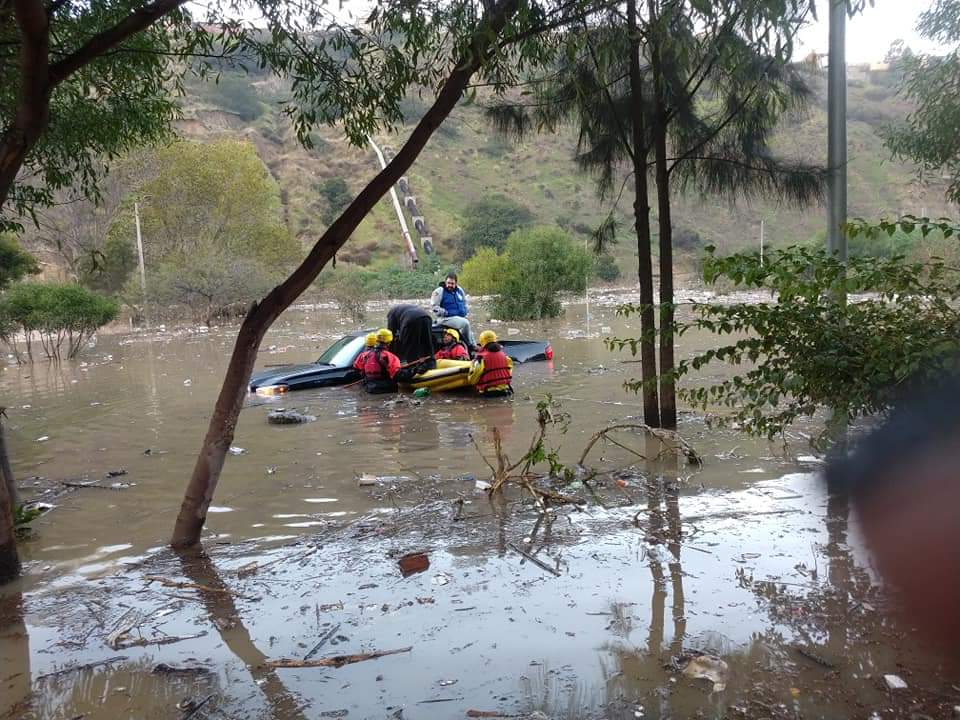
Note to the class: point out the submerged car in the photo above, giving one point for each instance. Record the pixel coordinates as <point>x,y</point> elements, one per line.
<point>335,365</point>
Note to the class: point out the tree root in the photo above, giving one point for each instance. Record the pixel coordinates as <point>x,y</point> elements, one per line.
<point>672,439</point>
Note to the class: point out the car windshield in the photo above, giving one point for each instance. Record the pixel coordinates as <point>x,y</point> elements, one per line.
<point>342,352</point>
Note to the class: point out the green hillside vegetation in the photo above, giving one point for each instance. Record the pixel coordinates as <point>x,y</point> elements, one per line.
<point>468,162</point>
<point>470,180</point>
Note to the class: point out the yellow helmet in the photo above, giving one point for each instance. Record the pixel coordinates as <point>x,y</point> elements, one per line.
<point>486,337</point>
<point>371,339</point>
<point>453,333</point>
<point>384,336</point>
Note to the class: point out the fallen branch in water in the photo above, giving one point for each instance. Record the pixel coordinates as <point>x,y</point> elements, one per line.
<point>536,561</point>
<point>78,668</point>
<point>194,586</point>
<point>123,643</point>
<point>335,661</point>
<point>667,437</point>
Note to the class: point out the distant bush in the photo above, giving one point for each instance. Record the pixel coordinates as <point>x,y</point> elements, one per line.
<point>605,267</point>
<point>688,240</point>
<point>337,195</point>
<point>877,94</point>
<point>489,222</point>
<point>536,265</point>
<point>107,269</point>
<point>15,262</point>
<point>349,286</point>
<point>349,291</point>
<point>62,315</point>
<point>234,92</point>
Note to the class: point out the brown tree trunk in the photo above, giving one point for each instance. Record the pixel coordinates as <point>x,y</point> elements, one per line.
<point>223,422</point>
<point>9,560</point>
<point>641,217</point>
<point>668,396</point>
<point>33,94</point>
<point>6,472</point>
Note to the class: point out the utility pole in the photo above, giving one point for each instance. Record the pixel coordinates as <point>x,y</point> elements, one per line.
<point>411,250</point>
<point>143,271</point>
<point>837,131</point>
<point>837,165</point>
<point>761,242</point>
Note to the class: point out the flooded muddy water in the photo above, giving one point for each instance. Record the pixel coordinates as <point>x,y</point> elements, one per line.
<point>745,559</point>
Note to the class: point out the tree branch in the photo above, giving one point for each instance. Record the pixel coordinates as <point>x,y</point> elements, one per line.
<point>137,21</point>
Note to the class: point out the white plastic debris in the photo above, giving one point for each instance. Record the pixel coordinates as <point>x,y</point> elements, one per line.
<point>188,382</point>
<point>440,579</point>
<point>708,667</point>
<point>43,438</point>
<point>482,485</point>
<point>234,450</point>
<point>366,480</point>
<point>894,682</point>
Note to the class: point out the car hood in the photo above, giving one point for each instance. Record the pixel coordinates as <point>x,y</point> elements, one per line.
<point>285,373</point>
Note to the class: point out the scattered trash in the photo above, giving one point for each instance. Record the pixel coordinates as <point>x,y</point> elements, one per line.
<point>43,438</point>
<point>708,667</point>
<point>164,669</point>
<point>234,450</point>
<point>421,392</point>
<point>440,579</point>
<point>188,382</point>
<point>425,601</point>
<point>812,459</point>
<point>281,416</point>
<point>447,683</point>
<point>413,563</point>
<point>116,473</point>
<point>482,485</point>
<point>366,480</point>
<point>191,707</point>
<point>894,682</point>
<point>271,470</point>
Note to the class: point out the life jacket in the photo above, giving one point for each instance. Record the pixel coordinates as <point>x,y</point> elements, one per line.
<point>380,364</point>
<point>362,359</point>
<point>454,303</point>
<point>496,368</point>
<point>455,351</point>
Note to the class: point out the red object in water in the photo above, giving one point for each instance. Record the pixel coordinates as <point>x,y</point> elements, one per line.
<point>413,563</point>
<point>549,352</point>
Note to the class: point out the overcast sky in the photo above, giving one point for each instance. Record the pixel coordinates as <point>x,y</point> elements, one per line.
<point>870,34</point>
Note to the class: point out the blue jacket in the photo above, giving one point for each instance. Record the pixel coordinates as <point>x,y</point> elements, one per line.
<point>454,304</point>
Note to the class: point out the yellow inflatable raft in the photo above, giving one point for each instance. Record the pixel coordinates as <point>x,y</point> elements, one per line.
<point>448,375</point>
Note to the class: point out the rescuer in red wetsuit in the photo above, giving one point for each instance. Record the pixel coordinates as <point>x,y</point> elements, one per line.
<point>381,366</point>
<point>368,349</point>
<point>452,348</point>
<point>494,367</point>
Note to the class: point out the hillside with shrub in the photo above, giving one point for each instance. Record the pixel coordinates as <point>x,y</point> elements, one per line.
<point>473,187</point>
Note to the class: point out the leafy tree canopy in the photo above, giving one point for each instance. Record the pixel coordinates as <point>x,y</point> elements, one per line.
<point>489,222</point>
<point>536,265</point>
<point>929,135</point>
<point>216,195</point>
<point>63,315</point>
<point>15,262</point>
<point>213,233</point>
<point>808,348</point>
<point>129,54</point>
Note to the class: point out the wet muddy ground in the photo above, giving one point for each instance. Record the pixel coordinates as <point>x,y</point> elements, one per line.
<point>590,611</point>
